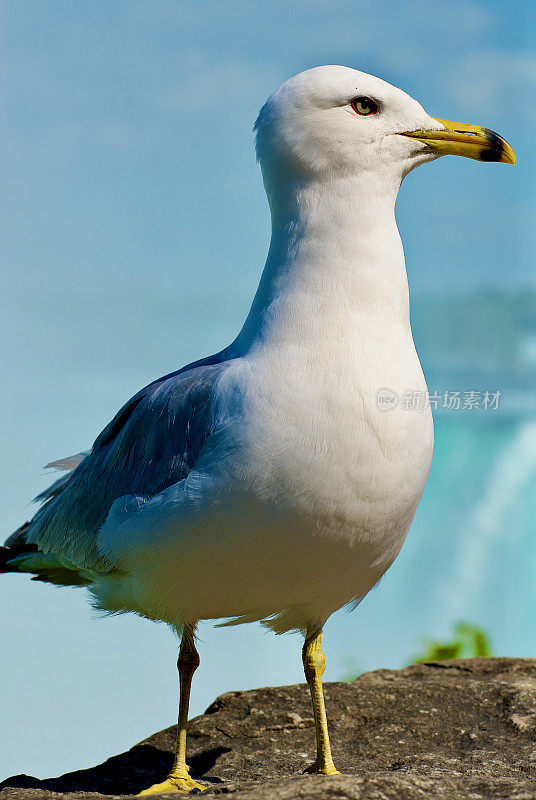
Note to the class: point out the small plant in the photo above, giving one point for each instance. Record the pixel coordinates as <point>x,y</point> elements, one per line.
<point>468,641</point>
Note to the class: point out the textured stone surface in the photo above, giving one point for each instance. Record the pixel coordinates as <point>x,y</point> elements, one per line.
<point>454,729</point>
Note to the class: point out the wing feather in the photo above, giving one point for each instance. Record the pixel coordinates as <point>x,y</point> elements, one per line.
<point>151,443</point>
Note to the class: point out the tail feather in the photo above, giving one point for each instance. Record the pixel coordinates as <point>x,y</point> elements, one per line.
<point>15,546</point>
<point>18,555</point>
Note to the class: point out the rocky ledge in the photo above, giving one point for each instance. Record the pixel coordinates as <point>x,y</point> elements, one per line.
<point>452,729</point>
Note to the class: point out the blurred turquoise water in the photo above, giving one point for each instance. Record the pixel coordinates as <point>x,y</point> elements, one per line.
<point>471,552</point>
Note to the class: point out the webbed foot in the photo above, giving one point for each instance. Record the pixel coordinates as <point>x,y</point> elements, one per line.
<point>174,784</point>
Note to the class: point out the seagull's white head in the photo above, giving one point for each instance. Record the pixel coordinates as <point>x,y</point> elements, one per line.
<point>334,121</point>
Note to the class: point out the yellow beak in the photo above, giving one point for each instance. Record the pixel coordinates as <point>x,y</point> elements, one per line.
<point>471,141</point>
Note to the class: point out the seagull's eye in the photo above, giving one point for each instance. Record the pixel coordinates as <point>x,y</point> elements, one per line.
<point>364,106</point>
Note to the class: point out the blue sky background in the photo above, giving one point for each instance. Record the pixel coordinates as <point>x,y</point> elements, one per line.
<point>134,231</point>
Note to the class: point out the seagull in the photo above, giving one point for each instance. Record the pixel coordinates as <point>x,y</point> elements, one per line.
<point>272,481</point>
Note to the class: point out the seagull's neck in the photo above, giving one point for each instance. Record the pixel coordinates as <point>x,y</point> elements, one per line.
<point>335,265</point>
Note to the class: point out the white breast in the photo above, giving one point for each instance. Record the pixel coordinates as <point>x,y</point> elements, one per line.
<point>317,429</point>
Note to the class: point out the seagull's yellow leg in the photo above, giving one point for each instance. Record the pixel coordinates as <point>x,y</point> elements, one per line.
<point>314,664</point>
<point>179,779</point>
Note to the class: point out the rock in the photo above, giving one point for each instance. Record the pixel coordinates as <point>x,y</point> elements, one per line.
<point>452,729</point>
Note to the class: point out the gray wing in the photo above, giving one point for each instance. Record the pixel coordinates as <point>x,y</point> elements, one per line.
<point>152,443</point>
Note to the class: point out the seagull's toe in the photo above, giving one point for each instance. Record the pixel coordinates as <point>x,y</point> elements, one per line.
<point>174,785</point>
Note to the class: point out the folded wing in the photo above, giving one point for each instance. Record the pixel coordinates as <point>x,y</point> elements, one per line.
<point>152,443</point>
